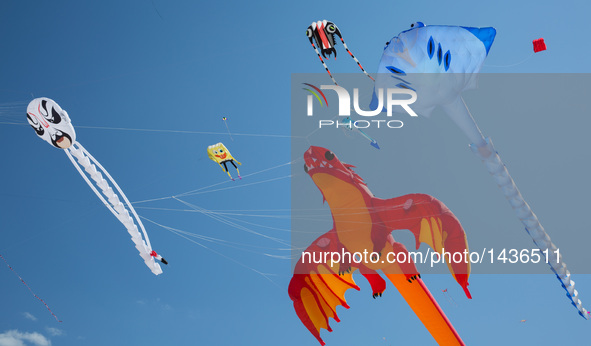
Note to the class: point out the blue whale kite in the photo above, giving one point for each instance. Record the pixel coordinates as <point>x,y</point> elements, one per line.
<point>439,62</point>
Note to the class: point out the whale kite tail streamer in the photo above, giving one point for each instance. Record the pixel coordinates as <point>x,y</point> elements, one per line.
<point>484,149</point>
<point>495,166</point>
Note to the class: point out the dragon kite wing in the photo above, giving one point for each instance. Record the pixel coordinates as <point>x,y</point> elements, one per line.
<point>317,288</point>
<point>53,125</point>
<point>432,223</point>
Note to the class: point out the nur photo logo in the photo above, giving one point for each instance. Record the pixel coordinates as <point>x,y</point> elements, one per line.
<point>386,102</point>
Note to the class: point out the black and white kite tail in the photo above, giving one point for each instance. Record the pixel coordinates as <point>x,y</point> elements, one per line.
<point>357,61</point>
<point>324,64</point>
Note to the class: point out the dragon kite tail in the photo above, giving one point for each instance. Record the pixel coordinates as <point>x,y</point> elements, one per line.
<point>419,299</point>
<point>424,305</point>
<point>432,223</point>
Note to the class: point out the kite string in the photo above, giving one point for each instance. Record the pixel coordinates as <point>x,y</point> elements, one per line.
<point>230,223</point>
<point>236,245</point>
<point>225,122</point>
<point>233,187</point>
<point>23,281</point>
<point>244,176</point>
<point>215,184</point>
<point>265,275</point>
<point>183,131</point>
<point>167,131</point>
<point>511,65</point>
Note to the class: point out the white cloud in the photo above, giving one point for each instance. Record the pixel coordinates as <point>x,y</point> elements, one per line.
<point>16,338</point>
<point>155,303</point>
<point>29,316</point>
<point>54,331</point>
<point>163,306</point>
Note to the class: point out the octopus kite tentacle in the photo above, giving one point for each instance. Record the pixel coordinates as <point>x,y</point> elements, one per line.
<point>112,202</point>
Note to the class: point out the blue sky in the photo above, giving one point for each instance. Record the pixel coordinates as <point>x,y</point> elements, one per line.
<point>121,66</point>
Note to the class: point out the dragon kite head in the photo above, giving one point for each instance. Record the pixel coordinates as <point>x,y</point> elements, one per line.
<point>322,165</point>
<point>51,122</point>
<point>323,33</point>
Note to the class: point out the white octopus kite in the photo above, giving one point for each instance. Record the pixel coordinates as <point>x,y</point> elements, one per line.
<point>53,125</point>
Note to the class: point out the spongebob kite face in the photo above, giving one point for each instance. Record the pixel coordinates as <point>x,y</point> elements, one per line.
<point>219,153</point>
<point>51,122</point>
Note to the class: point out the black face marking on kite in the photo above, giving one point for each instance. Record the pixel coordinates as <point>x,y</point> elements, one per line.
<point>323,33</point>
<point>53,116</point>
<point>35,125</point>
<point>51,123</point>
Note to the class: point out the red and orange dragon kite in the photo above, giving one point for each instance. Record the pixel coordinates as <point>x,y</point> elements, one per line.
<point>362,222</point>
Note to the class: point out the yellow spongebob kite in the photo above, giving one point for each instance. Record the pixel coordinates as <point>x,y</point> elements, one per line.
<point>220,154</point>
